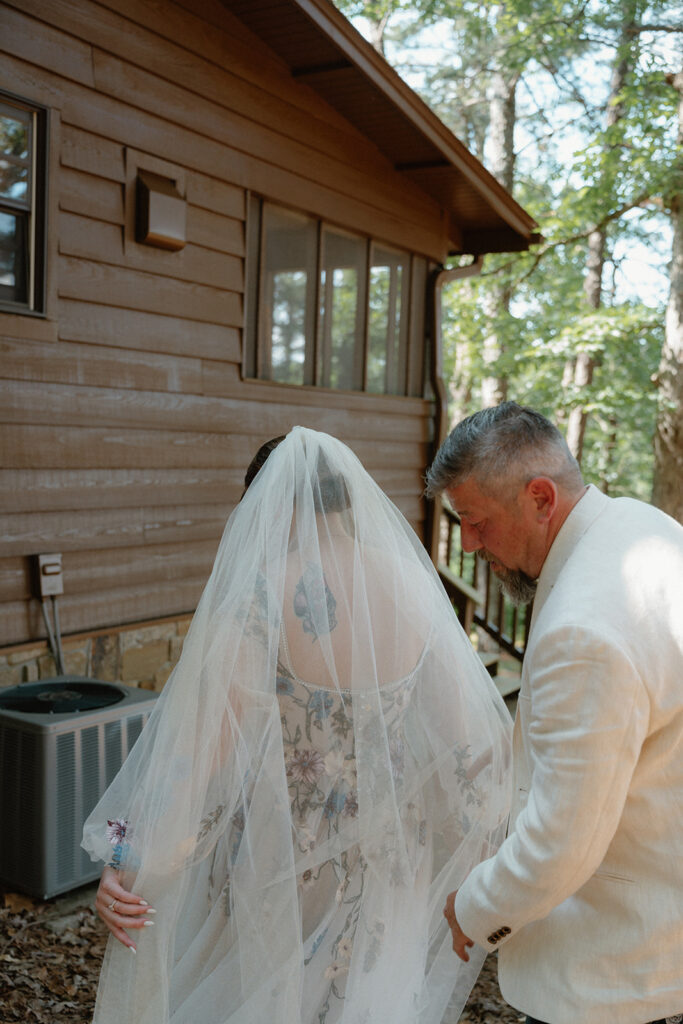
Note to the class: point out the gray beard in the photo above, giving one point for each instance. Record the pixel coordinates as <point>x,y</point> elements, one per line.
<point>516,585</point>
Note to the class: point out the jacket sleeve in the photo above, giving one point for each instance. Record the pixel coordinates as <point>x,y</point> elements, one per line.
<point>587,720</point>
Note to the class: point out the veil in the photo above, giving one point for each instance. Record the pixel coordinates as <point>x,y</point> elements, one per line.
<point>327,762</point>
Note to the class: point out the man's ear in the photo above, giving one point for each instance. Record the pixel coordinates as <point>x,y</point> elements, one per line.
<point>543,493</point>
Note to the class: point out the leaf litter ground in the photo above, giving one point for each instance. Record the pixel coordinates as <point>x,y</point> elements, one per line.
<point>51,952</point>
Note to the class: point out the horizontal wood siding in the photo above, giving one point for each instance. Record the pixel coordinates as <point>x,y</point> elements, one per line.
<point>125,424</point>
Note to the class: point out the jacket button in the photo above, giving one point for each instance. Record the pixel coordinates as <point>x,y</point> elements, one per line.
<point>505,930</point>
<point>493,939</point>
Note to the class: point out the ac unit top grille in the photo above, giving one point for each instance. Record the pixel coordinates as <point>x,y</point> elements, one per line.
<point>63,696</point>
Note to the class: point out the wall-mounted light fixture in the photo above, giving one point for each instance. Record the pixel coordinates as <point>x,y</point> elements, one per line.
<point>160,212</point>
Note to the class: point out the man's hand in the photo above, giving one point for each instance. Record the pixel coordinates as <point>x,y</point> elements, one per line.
<point>461,942</point>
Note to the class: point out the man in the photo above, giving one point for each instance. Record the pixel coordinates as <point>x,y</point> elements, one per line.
<point>584,899</point>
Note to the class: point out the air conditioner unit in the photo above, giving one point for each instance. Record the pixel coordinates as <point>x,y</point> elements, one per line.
<point>62,741</point>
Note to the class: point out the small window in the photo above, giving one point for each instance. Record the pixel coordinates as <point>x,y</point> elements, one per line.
<point>388,326</point>
<point>342,311</point>
<point>23,130</point>
<point>288,297</point>
<point>325,307</point>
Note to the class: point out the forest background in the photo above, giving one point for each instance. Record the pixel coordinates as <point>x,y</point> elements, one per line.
<point>576,106</point>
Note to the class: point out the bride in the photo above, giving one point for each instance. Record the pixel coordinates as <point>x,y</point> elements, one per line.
<point>326,764</point>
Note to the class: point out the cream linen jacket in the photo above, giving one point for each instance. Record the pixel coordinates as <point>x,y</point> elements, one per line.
<point>584,899</point>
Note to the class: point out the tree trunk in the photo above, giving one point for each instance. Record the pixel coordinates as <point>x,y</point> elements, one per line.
<point>579,370</point>
<point>502,113</point>
<point>667,490</point>
<point>493,385</point>
<point>460,384</point>
<point>581,373</point>
<point>610,448</point>
<point>377,30</point>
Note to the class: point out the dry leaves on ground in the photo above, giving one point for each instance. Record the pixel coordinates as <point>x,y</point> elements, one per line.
<point>51,952</point>
<point>50,958</point>
<point>486,1005</point>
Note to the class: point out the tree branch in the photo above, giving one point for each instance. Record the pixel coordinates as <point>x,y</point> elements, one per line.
<point>633,30</point>
<point>578,237</point>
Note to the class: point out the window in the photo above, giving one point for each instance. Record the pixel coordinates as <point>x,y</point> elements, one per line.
<point>288,298</point>
<point>23,136</point>
<point>388,322</point>
<point>325,307</point>
<point>342,311</point>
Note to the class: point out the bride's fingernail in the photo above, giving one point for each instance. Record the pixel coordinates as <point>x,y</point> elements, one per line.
<point>150,911</point>
<point>143,903</point>
<point>146,924</point>
<point>132,949</point>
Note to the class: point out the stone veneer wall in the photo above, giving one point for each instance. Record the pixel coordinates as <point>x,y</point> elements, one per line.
<point>143,654</point>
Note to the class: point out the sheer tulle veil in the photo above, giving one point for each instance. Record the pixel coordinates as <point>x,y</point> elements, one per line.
<point>327,762</point>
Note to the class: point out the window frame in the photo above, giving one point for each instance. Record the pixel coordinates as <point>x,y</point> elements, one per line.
<point>256,358</point>
<point>34,210</point>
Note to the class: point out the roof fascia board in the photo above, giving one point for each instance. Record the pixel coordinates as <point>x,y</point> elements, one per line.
<point>342,33</point>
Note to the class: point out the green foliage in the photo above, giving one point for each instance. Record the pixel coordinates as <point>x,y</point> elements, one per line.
<point>624,342</point>
<point>588,158</point>
<point>14,153</point>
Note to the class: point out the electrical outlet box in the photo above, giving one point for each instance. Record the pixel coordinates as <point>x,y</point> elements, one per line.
<point>50,579</point>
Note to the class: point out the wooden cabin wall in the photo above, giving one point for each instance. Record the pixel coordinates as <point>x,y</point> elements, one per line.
<point>125,424</point>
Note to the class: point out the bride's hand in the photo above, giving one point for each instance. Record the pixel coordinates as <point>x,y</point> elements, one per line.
<point>120,909</point>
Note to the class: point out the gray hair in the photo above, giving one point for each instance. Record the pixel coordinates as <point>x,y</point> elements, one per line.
<point>503,448</point>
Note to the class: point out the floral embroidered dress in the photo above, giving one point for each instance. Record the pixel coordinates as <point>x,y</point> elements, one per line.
<point>319,749</point>
<point>327,763</point>
<point>318,738</point>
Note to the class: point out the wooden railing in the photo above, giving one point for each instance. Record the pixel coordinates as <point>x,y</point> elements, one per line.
<point>477,598</point>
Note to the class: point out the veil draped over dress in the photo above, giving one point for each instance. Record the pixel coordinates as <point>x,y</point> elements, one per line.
<point>327,762</point>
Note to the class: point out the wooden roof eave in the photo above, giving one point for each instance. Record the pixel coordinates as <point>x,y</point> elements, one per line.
<point>323,49</point>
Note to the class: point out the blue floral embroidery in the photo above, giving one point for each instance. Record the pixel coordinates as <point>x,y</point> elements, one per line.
<point>314,602</point>
<point>320,705</point>
<point>283,686</point>
<point>116,835</point>
<point>335,802</point>
<point>316,944</point>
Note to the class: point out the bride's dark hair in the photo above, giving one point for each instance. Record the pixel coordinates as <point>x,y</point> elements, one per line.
<point>260,458</point>
<point>332,495</point>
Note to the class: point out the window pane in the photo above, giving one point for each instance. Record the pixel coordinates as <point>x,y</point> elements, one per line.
<point>287,309</point>
<point>326,307</point>
<point>15,154</point>
<point>342,286</point>
<point>13,257</point>
<point>387,328</point>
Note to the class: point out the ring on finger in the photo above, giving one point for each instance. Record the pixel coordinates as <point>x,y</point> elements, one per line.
<point>111,905</point>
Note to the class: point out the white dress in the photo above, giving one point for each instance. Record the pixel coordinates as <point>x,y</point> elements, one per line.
<point>318,741</point>
<point>328,761</point>
<point>318,738</point>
